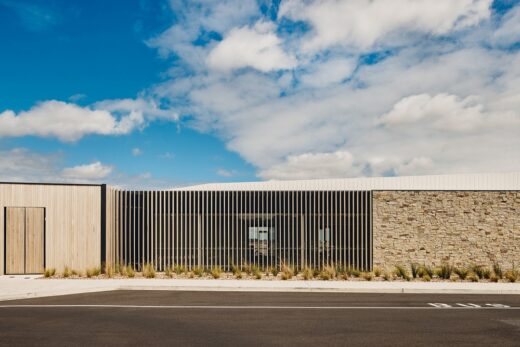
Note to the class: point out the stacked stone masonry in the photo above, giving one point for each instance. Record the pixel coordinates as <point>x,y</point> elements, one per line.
<point>435,227</point>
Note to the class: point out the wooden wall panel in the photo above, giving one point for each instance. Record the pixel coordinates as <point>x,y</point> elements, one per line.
<point>34,240</point>
<point>73,225</point>
<point>15,240</point>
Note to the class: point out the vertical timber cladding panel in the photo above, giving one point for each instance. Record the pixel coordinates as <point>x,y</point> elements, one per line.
<point>73,221</point>
<point>15,240</point>
<point>459,227</point>
<point>34,240</point>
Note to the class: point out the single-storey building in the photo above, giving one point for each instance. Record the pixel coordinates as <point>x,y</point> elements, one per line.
<point>358,222</point>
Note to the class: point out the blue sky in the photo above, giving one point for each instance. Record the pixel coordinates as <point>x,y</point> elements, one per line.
<point>167,93</point>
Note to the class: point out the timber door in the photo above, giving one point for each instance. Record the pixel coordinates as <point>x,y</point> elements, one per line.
<point>24,240</point>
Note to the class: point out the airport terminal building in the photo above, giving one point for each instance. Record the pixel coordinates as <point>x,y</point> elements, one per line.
<point>359,222</point>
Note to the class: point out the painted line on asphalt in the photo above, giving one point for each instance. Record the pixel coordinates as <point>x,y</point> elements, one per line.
<point>217,307</point>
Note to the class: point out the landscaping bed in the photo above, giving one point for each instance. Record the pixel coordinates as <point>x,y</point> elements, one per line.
<point>414,272</point>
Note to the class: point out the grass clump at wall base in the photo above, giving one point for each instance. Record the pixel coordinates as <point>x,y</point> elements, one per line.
<point>275,271</point>
<point>76,273</point>
<point>353,272</point>
<point>425,270</point>
<point>472,277</point>
<point>461,272</point>
<point>328,273</point>
<point>236,271</point>
<point>94,271</point>
<point>377,271</point>
<point>368,276</point>
<point>179,269</point>
<point>247,268</point>
<point>168,272</point>
<point>387,276</point>
<point>257,273</point>
<point>148,271</point>
<point>511,275</point>
<point>287,272</point>
<point>308,274</point>
<point>401,272</point>
<point>66,272</point>
<point>50,272</point>
<point>109,271</point>
<point>216,272</point>
<point>481,271</point>
<point>198,271</point>
<point>426,278</point>
<point>497,270</point>
<point>129,271</point>
<point>444,271</point>
<point>415,270</point>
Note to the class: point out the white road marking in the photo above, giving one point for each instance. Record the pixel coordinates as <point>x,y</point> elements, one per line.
<point>497,305</point>
<point>266,307</point>
<point>439,305</point>
<point>469,305</point>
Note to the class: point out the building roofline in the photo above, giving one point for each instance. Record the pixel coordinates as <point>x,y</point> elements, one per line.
<point>56,184</point>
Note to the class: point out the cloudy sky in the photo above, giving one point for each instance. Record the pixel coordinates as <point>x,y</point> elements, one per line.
<point>167,93</point>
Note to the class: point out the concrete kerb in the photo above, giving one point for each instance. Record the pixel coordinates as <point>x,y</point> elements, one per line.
<point>12,288</point>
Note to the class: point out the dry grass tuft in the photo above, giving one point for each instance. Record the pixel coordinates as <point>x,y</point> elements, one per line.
<point>287,272</point>
<point>425,270</point>
<point>308,274</point>
<point>444,271</point>
<point>377,271</point>
<point>511,275</point>
<point>198,271</point>
<point>368,276</point>
<point>129,271</point>
<point>66,272</point>
<point>275,271</point>
<point>148,271</point>
<point>481,271</point>
<point>401,272</point>
<point>497,270</point>
<point>50,272</point>
<point>168,272</point>
<point>216,272</point>
<point>179,269</point>
<point>328,273</point>
<point>95,271</point>
<point>415,270</point>
<point>461,272</point>
<point>257,273</point>
<point>109,271</point>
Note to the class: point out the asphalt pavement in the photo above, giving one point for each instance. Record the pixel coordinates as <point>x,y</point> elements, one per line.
<point>176,318</point>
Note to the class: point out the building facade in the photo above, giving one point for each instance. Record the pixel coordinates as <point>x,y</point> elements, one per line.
<point>359,223</point>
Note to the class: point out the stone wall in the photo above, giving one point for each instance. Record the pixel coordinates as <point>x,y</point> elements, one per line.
<point>432,227</point>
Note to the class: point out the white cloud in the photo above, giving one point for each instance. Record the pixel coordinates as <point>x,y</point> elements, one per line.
<point>22,165</point>
<point>509,32</point>
<point>196,16</point>
<point>311,165</point>
<point>363,23</point>
<point>136,152</point>
<point>257,47</point>
<point>226,173</point>
<point>444,99</point>
<point>445,112</point>
<point>322,74</point>
<point>89,172</point>
<point>69,122</point>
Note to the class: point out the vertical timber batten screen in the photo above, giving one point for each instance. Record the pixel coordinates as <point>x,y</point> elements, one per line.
<point>225,228</point>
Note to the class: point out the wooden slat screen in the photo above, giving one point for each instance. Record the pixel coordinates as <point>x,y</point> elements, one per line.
<point>225,228</point>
